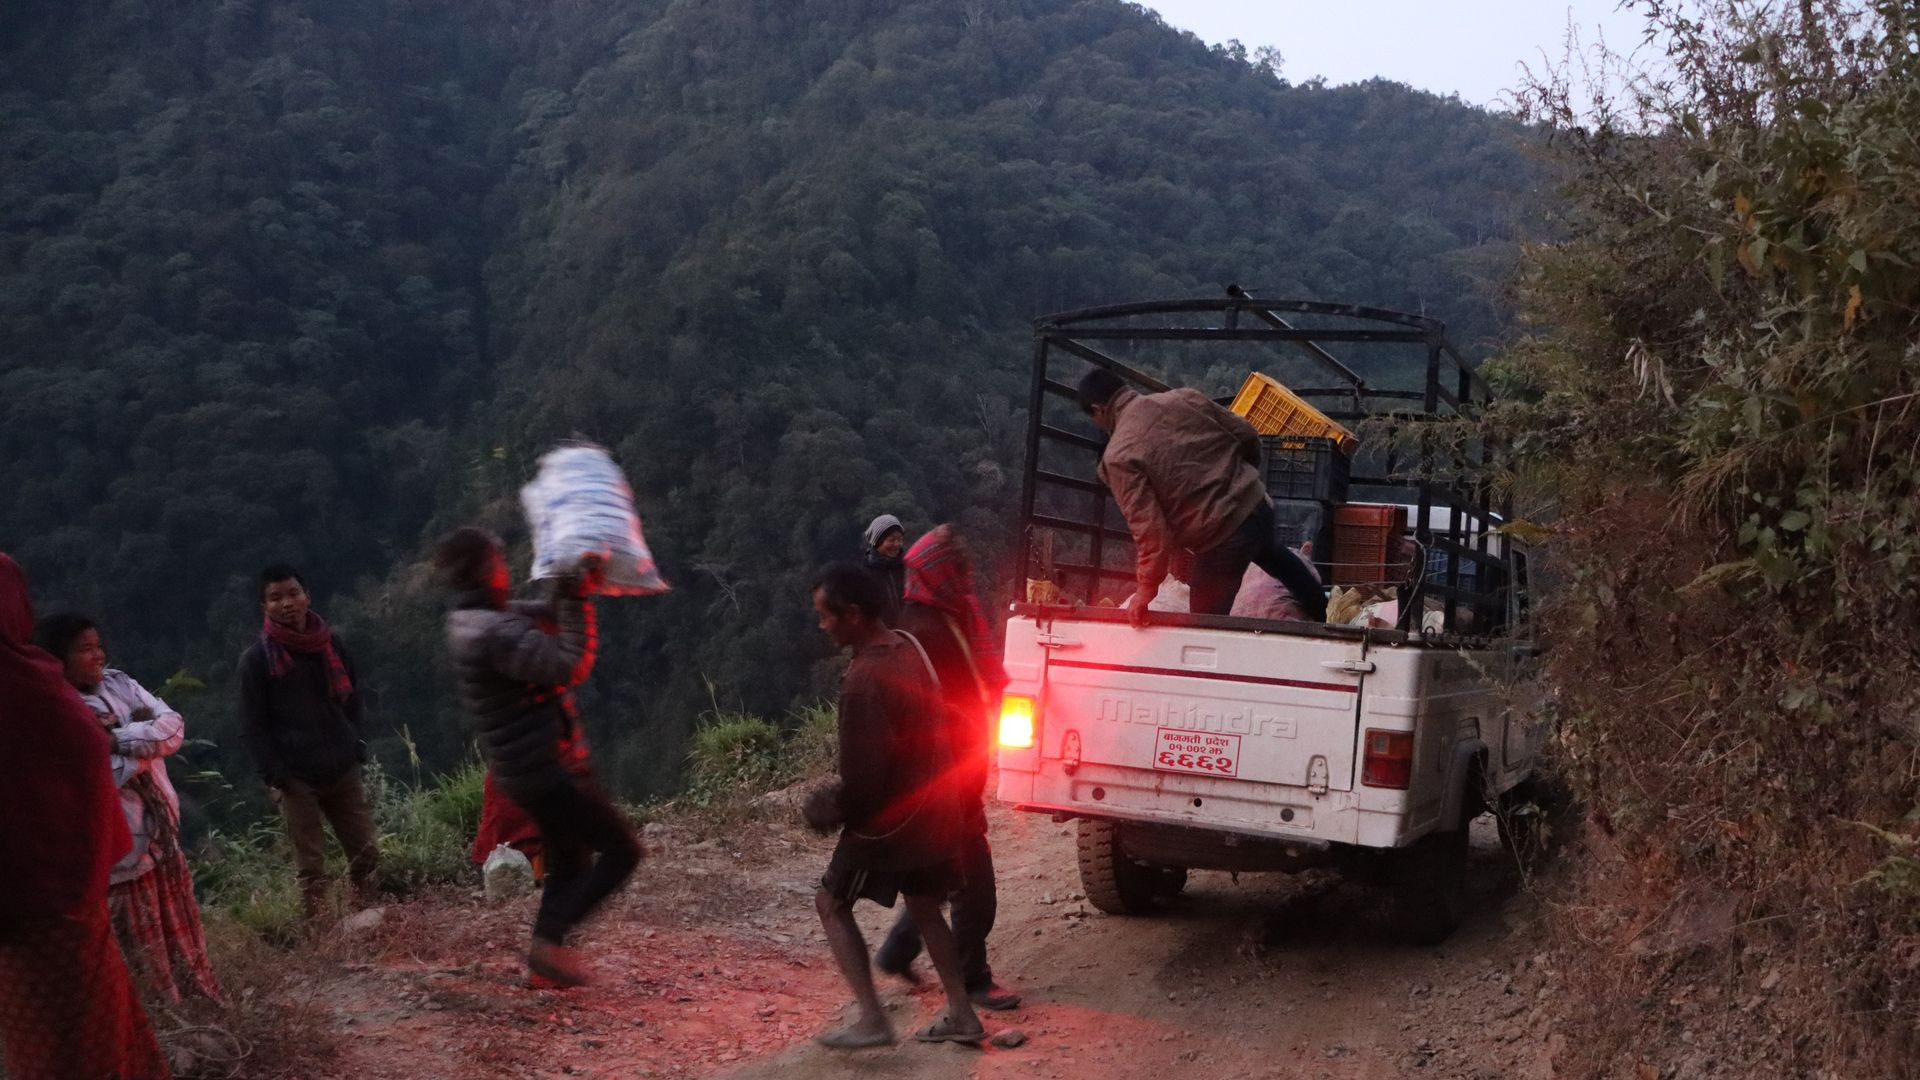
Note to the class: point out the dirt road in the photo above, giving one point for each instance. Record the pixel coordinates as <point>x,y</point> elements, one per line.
<point>712,965</point>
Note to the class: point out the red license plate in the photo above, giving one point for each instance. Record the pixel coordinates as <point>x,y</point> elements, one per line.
<point>1203,752</point>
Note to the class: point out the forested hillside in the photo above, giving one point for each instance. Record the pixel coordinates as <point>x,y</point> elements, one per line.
<point>315,280</point>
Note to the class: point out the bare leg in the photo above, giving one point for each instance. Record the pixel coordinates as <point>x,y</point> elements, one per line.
<point>870,1028</point>
<point>946,960</point>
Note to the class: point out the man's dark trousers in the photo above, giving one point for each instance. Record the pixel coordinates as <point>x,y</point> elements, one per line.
<point>975,904</point>
<point>307,809</point>
<point>1217,573</point>
<point>578,822</point>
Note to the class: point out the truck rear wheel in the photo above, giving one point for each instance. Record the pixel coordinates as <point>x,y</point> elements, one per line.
<point>1529,817</point>
<point>1429,887</point>
<point>1113,882</point>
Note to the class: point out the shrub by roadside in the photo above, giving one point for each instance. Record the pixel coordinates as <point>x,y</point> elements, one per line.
<point>273,968</point>
<point>737,758</point>
<point>1718,403</point>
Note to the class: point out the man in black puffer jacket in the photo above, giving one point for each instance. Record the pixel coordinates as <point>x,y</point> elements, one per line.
<point>517,678</point>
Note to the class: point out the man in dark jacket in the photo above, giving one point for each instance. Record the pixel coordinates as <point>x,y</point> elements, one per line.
<point>1186,474</point>
<point>303,721</point>
<point>517,678</point>
<point>943,614</point>
<point>896,806</point>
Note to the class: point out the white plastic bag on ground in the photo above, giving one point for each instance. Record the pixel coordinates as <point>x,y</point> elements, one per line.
<point>506,873</point>
<point>580,504</point>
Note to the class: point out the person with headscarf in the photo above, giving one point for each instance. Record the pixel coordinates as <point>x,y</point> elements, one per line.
<point>504,824</point>
<point>942,612</point>
<point>67,1006</point>
<point>883,543</point>
<point>150,898</point>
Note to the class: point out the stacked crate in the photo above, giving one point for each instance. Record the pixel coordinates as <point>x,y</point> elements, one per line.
<point>1307,473</point>
<point>1306,478</point>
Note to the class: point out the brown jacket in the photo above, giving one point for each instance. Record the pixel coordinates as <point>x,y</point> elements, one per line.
<point>1185,472</point>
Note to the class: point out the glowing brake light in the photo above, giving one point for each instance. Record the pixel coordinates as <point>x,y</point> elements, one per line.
<point>1388,761</point>
<point>1016,721</point>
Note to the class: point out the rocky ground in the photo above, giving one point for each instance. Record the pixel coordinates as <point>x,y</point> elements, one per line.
<point>713,965</point>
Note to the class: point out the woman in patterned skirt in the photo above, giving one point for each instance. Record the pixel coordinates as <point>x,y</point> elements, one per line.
<point>67,1008</point>
<point>155,916</point>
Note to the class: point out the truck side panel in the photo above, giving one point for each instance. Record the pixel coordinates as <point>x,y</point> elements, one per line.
<point>1448,699</point>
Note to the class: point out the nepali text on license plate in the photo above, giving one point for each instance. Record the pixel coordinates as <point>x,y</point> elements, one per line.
<point>1203,752</point>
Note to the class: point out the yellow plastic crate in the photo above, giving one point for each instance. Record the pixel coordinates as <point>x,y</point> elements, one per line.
<point>1273,409</point>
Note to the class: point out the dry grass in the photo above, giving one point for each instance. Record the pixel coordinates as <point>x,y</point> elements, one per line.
<point>272,1025</point>
<point>1725,922</point>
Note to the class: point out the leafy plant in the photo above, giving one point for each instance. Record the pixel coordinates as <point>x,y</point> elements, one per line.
<point>1715,408</point>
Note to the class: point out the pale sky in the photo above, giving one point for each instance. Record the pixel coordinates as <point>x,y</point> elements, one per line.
<point>1470,47</point>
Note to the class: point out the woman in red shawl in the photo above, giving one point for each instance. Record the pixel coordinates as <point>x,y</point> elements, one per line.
<point>67,1007</point>
<point>942,612</point>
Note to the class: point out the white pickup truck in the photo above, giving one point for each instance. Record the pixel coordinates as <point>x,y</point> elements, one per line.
<point>1219,743</point>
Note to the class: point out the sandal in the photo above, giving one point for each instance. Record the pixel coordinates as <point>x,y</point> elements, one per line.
<point>556,964</point>
<point>942,1030</point>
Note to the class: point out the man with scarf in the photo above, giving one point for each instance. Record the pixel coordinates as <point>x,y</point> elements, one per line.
<point>943,614</point>
<point>303,721</point>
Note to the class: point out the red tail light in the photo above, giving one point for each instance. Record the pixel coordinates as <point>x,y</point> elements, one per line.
<point>1388,759</point>
<point>1016,721</point>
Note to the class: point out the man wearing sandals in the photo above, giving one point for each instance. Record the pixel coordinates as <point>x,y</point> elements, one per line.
<point>897,805</point>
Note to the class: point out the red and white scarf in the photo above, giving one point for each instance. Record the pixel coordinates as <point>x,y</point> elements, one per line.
<point>281,642</point>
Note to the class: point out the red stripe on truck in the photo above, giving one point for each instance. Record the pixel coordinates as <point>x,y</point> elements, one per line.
<point>1214,675</point>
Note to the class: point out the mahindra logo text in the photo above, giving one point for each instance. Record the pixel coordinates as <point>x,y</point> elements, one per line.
<point>1197,716</point>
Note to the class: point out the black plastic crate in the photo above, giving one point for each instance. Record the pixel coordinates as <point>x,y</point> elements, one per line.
<point>1305,467</point>
<point>1296,521</point>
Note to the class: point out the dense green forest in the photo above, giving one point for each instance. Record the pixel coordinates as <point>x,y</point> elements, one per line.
<point>306,280</point>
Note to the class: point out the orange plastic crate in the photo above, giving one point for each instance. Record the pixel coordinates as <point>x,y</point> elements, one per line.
<point>1366,544</point>
<point>1273,409</point>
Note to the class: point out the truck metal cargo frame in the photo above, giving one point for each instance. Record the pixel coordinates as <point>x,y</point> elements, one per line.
<point>1462,563</point>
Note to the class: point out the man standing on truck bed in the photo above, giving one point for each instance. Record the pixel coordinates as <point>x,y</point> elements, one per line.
<point>1186,474</point>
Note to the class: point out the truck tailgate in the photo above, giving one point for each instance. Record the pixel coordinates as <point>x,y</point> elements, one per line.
<point>1267,708</point>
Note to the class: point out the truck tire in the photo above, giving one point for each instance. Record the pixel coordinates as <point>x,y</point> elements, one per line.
<point>1113,882</point>
<point>1428,883</point>
<point>1531,817</point>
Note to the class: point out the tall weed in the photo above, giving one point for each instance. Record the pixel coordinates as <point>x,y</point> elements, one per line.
<point>1717,413</point>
